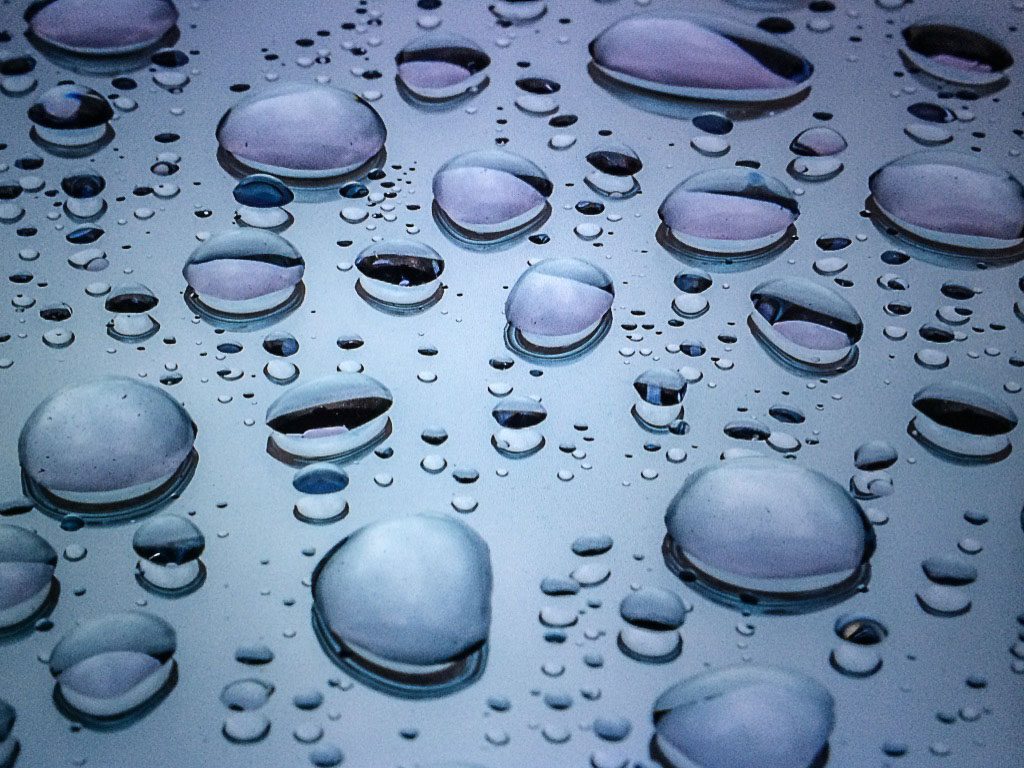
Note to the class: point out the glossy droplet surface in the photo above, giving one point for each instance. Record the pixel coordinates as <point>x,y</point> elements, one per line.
<point>951,200</point>
<point>243,273</point>
<point>105,446</point>
<point>439,66</point>
<point>769,532</point>
<point>558,307</point>
<point>963,421</point>
<point>744,717</point>
<point>806,324</point>
<point>331,417</point>
<point>302,130</point>
<point>953,51</point>
<point>103,27</point>
<point>115,665</point>
<point>490,194</point>
<point>699,56</point>
<point>729,210</point>
<point>400,274</point>
<point>261,190</point>
<point>406,603</point>
<point>27,563</point>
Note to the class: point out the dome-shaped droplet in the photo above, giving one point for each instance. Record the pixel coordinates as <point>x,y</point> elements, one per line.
<point>169,547</point>
<point>951,200</point>
<point>806,324</point>
<point>767,532</point>
<point>114,667</point>
<point>490,195</point>
<point>955,52</point>
<point>83,184</point>
<point>558,308</point>
<point>70,115</point>
<point>699,57</point>
<point>103,27</point>
<point>729,210</point>
<point>302,130</point>
<point>27,562</point>
<point>517,417</point>
<point>439,66</point>
<point>261,190</point>
<point>107,448</point>
<point>405,604</point>
<point>820,141</point>
<point>614,166</point>
<point>744,717</point>
<point>962,421</point>
<point>400,275</point>
<point>332,417</point>
<point>660,393</point>
<point>130,298</point>
<point>244,274</point>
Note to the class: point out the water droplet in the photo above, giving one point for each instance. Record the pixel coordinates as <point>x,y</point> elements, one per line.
<point>169,547</point>
<point>955,52</point>
<point>99,28</point>
<point>400,276</point>
<point>961,421</point>
<point>70,115</point>
<point>440,66</point>
<point>27,586</point>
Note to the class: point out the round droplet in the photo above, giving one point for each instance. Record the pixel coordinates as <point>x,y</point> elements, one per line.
<point>768,533</point>
<point>400,275</point>
<point>440,66</point>
<point>169,547</point>
<point>490,195</point>
<point>70,115</point>
<point>262,191</point>
<point>27,563</point>
<point>105,449</point>
<point>956,52</point>
<point>962,421</point>
<point>405,604</point>
<point>302,130</point>
<point>103,27</point>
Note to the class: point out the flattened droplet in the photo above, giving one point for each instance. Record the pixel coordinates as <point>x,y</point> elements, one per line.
<point>334,417</point>
<point>951,200</point>
<point>27,563</point>
<point>558,308</point>
<point>956,52</point>
<point>440,66</point>
<point>699,57</point>
<point>963,422</point>
<point>103,27</point>
<point>302,130</point>
<point>114,667</point>
<point>243,274</point>
<point>490,195</point>
<point>767,532</point>
<point>107,448</point>
<point>729,210</point>
<point>405,604</point>
<point>744,717</point>
<point>805,324</point>
<point>400,275</point>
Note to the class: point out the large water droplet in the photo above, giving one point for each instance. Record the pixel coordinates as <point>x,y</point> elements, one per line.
<point>728,210</point>
<point>744,717</point>
<point>106,449</point>
<point>70,115</point>
<point>405,604</point>
<point>769,533</point>
<point>115,667</point>
<point>102,27</point>
<point>955,52</point>
<point>169,547</point>
<point>699,57</point>
<point>302,130</point>
<point>243,275</point>
<point>962,422</point>
<point>490,195</point>
<point>440,66</point>
<point>558,308</point>
<point>950,200</point>
<point>333,417</point>
<point>806,324</point>
<point>27,562</point>
<point>400,276</point>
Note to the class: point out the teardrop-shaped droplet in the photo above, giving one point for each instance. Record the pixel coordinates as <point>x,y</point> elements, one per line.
<point>558,308</point>
<point>302,130</point>
<point>806,324</point>
<point>405,604</point>
<point>950,200</point>
<point>700,57</point>
<point>490,195</point>
<point>729,210</point>
<point>770,533</point>
<point>106,448</point>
